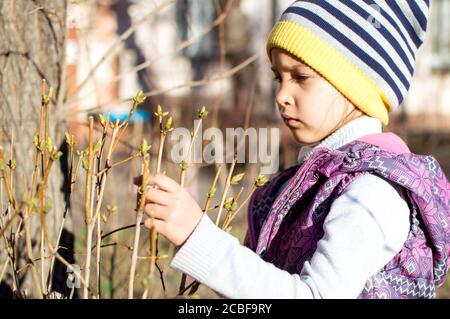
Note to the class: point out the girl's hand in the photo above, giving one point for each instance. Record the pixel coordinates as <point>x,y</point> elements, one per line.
<point>175,212</point>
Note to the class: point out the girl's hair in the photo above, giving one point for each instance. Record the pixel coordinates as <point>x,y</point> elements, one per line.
<point>354,114</point>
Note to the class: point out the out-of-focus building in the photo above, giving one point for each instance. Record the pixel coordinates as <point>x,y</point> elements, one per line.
<point>155,49</point>
<point>91,33</point>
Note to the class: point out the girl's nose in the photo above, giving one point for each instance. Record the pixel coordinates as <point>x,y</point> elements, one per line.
<point>283,97</point>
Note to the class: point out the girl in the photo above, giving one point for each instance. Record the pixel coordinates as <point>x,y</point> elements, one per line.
<point>359,216</point>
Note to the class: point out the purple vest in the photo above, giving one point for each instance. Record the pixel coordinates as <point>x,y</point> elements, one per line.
<point>284,229</point>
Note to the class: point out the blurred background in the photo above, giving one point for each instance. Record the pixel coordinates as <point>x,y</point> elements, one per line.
<point>188,41</point>
<point>173,56</point>
<point>184,54</point>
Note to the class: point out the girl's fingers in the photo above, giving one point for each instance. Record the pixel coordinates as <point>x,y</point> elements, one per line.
<point>158,196</point>
<point>156,211</point>
<point>164,182</point>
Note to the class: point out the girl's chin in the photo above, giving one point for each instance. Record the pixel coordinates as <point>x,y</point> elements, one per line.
<point>303,138</point>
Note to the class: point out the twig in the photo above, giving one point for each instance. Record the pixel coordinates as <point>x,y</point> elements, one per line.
<point>232,214</point>
<point>230,211</point>
<point>110,166</point>
<point>11,160</point>
<point>6,180</point>
<point>9,222</point>
<point>105,170</point>
<point>163,130</point>
<point>70,189</point>
<point>2,273</point>
<point>10,259</point>
<point>38,140</point>
<point>44,237</point>
<point>30,258</point>
<point>88,213</point>
<point>189,84</point>
<point>142,192</point>
<point>225,191</point>
<point>120,229</point>
<point>98,237</point>
<point>212,190</point>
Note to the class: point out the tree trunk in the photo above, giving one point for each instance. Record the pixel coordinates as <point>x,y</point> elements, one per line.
<point>32,48</point>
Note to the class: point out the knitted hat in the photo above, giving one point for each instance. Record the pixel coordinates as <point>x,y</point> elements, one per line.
<point>366,49</point>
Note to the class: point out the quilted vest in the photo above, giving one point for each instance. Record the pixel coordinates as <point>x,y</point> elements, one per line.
<point>284,229</point>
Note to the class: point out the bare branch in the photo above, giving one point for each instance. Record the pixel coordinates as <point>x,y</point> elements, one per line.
<point>189,84</point>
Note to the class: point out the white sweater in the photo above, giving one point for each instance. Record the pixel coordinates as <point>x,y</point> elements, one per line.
<point>365,228</point>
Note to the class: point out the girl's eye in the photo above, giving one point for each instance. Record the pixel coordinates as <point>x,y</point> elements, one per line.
<point>295,78</point>
<point>299,78</point>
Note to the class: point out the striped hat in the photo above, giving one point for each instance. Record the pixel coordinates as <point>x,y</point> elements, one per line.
<point>365,48</point>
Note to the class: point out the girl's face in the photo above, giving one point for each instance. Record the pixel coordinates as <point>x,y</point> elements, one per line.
<point>309,105</point>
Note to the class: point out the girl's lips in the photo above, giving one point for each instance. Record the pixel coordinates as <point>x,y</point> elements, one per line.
<point>290,121</point>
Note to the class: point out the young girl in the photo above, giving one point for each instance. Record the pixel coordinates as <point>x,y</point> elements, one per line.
<point>359,216</point>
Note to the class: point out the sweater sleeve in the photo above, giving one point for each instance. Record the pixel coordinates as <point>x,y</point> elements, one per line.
<point>365,228</point>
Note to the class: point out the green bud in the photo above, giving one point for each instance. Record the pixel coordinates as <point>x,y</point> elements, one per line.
<point>36,140</point>
<point>212,192</point>
<point>85,164</point>
<point>30,202</point>
<point>49,144</point>
<point>168,125</point>
<point>260,180</point>
<point>139,98</point>
<point>111,208</point>
<point>236,179</point>
<point>202,113</point>
<point>229,204</point>
<point>102,120</point>
<point>159,111</point>
<point>144,148</point>
<point>47,97</point>
<point>97,146</point>
<point>54,156</point>
<point>25,198</point>
<point>68,138</point>
<point>50,94</point>
<point>41,146</point>
<point>184,165</point>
